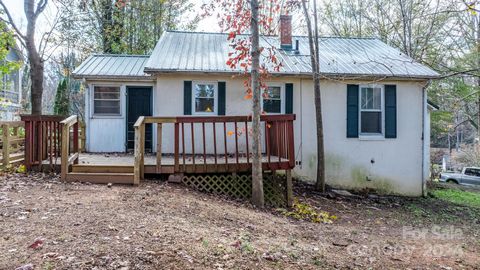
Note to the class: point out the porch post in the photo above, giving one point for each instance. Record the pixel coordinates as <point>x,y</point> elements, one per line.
<point>289,194</point>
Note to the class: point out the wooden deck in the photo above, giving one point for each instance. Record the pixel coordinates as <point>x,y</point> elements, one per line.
<point>201,145</point>
<point>54,141</point>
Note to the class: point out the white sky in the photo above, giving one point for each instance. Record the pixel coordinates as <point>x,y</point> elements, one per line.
<point>16,10</point>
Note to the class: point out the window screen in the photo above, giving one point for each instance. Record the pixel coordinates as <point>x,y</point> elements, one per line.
<point>106,100</point>
<point>371,110</point>
<point>272,100</point>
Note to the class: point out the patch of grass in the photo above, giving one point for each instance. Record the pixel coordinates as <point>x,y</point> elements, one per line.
<point>459,197</point>
<point>416,210</point>
<point>304,211</point>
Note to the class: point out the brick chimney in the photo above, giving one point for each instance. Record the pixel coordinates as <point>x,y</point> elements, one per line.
<point>286,32</point>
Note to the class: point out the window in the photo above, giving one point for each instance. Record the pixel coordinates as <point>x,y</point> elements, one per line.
<point>106,100</point>
<point>371,109</point>
<point>204,101</point>
<point>272,100</point>
<point>472,172</point>
<point>9,87</point>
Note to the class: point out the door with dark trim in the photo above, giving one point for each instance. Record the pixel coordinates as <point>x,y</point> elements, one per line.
<point>139,103</point>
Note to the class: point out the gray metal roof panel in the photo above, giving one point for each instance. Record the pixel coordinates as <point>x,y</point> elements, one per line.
<point>208,52</point>
<point>111,65</point>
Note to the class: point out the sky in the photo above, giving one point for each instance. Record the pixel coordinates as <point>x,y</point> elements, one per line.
<point>16,10</point>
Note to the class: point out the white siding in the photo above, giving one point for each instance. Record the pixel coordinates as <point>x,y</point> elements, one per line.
<point>108,133</point>
<point>397,163</point>
<point>397,166</point>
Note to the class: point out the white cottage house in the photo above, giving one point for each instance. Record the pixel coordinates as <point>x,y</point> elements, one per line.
<point>374,102</point>
<point>11,89</point>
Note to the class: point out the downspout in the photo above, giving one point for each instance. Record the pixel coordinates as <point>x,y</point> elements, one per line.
<point>424,147</point>
<point>301,123</point>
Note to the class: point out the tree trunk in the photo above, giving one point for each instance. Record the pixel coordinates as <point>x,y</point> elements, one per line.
<point>315,61</point>
<point>477,41</point>
<point>36,62</point>
<point>257,178</point>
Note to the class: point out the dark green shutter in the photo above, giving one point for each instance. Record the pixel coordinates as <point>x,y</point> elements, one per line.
<point>289,98</point>
<point>352,111</point>
<point>187,97</point>
<point>221,98</point>
<point>390,111</point>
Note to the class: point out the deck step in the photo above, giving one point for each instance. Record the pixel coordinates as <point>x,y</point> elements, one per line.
<point>101,178</point>
<point>85,168</point>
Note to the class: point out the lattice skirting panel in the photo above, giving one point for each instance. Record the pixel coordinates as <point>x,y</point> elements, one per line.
<point>240,186</point>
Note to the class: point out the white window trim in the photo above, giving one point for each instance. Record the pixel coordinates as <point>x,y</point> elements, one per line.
<point>215,98</point>
<point>282,98</point>
<point>107,115</point>
<point>371,136</point>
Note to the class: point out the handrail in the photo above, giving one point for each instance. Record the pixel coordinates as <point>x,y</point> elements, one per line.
<point>66,159</point>
<point>139,121</point>
<point>70,121</point>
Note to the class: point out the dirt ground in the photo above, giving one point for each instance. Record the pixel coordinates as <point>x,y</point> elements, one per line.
<point>46,224</point>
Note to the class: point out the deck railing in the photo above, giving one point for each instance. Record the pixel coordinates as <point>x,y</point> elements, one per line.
<point>209,144</point>
<point>11,142</point>
<point>70,150</point>
<point>42,139</point>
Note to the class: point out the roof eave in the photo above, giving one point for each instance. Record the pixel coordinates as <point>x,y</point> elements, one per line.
<point>112,77</point>
<point>298,74</point>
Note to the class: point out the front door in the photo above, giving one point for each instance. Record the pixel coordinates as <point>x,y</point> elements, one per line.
<point>139,103</point>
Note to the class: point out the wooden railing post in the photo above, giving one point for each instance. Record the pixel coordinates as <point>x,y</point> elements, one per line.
<point>138,165</point>
<point>65,150</point>
<point>142,151</point>
<point>159,148</point>
<point>291,144</point>
<point>176,146</point>
<point>6,144</point>
<point>75,140</point>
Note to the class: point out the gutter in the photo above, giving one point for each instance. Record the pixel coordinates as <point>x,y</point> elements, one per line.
<point>340,76</point>
<point>114,78</point>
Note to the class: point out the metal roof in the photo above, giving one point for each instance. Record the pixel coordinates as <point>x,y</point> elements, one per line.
<point>112,66</point>
<point>208,52</point>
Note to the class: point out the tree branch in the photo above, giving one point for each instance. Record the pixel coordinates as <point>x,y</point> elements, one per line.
<point>11,22</point>
<point>40,7</point>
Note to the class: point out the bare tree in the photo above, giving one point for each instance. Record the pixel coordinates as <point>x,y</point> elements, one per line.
<point>257,178</point>
<point>32,10</point>
<point>315,62</point>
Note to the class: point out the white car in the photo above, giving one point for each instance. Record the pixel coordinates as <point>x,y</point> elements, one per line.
<point>468,176</point>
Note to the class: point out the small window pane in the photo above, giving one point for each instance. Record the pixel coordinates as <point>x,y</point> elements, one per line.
<point>272,106</point>
<point>273,92</point>
<point>205,90</point>
<point>371,98</point>
<point>106,100</point>
<point>371,122</point>
<point>204,104</point>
